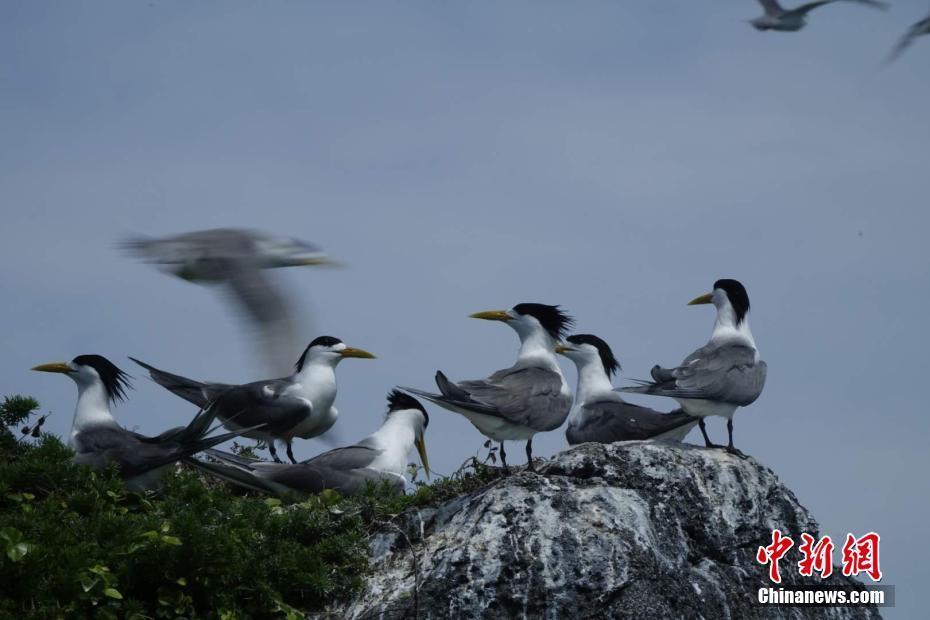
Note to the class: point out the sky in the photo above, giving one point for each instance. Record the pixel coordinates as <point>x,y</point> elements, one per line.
<point>612,157</point>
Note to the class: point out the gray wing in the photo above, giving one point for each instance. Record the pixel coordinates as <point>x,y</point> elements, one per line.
<point>771,8</point>
<point>526,395</point>
<point>266,307</point>
<point>920,28</point>
<point>609,421</point>
<point>727,374</point>
<point>259,403</point>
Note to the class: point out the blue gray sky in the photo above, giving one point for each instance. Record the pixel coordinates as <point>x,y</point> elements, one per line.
<point>612,157</point>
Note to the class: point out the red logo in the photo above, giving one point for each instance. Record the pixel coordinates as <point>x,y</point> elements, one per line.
<point>816,557</point>
<point>860,555</point>
<point>773,553</point>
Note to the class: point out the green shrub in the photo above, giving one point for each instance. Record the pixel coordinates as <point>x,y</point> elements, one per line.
<point>75,543</point>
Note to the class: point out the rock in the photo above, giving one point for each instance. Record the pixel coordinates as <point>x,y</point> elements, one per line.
<point>630,530</point>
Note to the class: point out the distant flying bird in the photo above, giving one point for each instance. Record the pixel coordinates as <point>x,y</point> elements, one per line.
<point>237,259</point>
<point>724,374</point>
<point>299,405</point>
<point>917,30</point>
<point>792,20</point>
<point>599,414</point>
<point>382,456</point>
<point>98,440</point>
<point>530,397</point>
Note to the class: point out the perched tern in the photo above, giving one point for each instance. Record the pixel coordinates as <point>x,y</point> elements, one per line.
<point>98,440</point>
<point>515,403</point>
<point>380,456</point>
<point>299,405</point>
<point>792,20</point>
<point>237,260</point>
<point>917,30</point>
<point>724,374</point>
<point>599,413</point>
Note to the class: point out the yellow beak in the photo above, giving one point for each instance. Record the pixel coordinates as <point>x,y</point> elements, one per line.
<point>420,443</point>
<point>320,260</point>
<point>561,348</point>
<point>703,299</point>
<point>353,352</point>
<point>491,315</point>
<point>61,367</point>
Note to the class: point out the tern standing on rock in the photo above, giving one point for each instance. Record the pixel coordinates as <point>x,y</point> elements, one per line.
<point>599,414</point>
<point>515,403</point>
<point>98,440</point>
<point>792,20</point>
<point>724,374</point>
<point>299,405</point>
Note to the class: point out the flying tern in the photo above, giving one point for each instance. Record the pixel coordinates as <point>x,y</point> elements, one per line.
<point>917,30</point>
<point>724,374</point>
<point>792,20</point>
<point>299,405</point>
<point>599,413</point>
<point>237,259</point>
<point>98,440</point>
<point>382,456</point>
<point>515,403</point>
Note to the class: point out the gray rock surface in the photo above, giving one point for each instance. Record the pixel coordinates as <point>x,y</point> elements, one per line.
<point>631,530</point>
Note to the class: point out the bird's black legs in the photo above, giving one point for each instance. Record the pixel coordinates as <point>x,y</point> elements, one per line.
<point>529,455</point>
<point>503,457</point>
<point>274,453</point>
<point>707,441</point>
<point>290,453</point>
<point>730,447</point>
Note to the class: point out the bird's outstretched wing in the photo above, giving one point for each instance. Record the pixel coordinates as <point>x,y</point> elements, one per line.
<point>728,373</point>
<point>771,8</point>
<point>919,29</point>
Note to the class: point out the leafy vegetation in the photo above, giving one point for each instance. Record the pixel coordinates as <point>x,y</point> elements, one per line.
<point>75,543</point>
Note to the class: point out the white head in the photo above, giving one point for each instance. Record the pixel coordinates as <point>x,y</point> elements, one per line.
<point>530,319</point>
<point>732,303</point>
<point>290,252</point>
<point>329,351</point>
<point>589,350</point>
<point>402,406</point>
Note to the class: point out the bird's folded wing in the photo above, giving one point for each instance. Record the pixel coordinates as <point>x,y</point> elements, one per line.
<point>257,403</point>
<point>529,395</point>
<point>610,421</point>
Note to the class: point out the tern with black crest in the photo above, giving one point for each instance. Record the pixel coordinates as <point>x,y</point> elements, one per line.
<point>299,405</point>
<point>515,403</point>
<point>382,456</point>
<point>724,374</point>
<point>98,440</point>
<point>599,414</point>
<point>791,20</point>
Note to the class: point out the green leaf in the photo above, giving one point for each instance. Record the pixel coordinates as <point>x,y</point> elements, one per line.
<point>18,551</point>
<point>171,540</point>
<point>181,581</point>
<point>113,593</point>
<point>88,583</point>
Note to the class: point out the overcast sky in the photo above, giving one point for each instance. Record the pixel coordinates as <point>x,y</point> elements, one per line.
<point>612,157</point>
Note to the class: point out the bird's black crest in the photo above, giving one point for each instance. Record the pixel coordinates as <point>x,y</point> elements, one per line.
<point>551,318</point>
<point>398,400</point>
<point>115,381</point>
<point>737,295</point>
<point>611,365</point>
<point>321,341</point>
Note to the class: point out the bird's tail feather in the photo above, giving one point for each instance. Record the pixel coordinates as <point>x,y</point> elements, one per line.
<point>232,475</point>
<point>188,389</point>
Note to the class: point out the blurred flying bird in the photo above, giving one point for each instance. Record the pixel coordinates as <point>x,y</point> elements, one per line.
<point>237,259</point>
<point>724,374</point>
<point>792,20</point>
<point>515,403</point>
<point>298,405</point>
<point>98,440</point>
<point>599,414</point>
<point>919,29</point>
<point>382,456</point>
